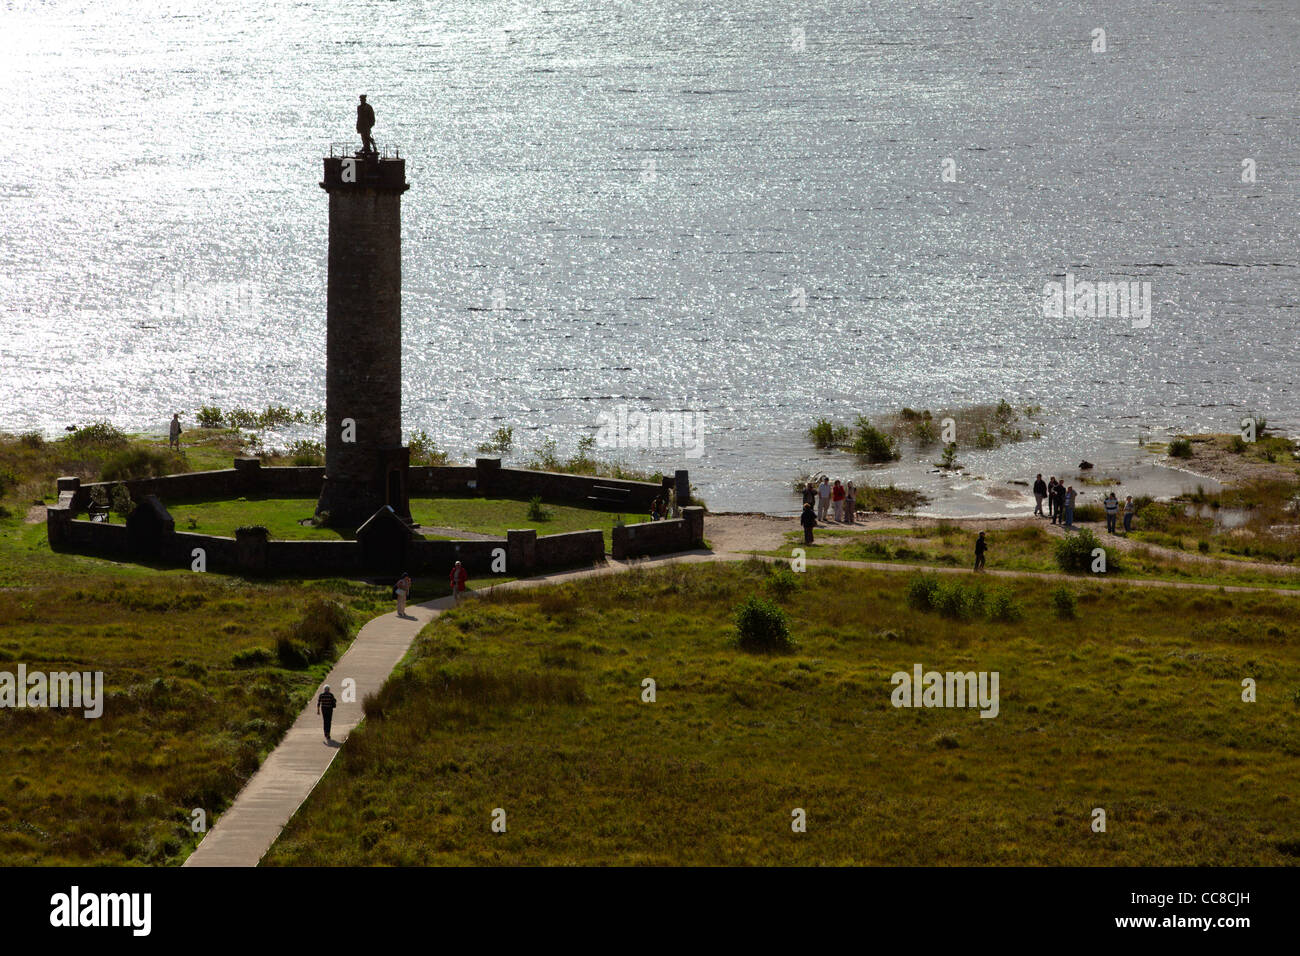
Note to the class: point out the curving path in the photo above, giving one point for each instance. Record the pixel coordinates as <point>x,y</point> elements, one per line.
<point>243,834</point>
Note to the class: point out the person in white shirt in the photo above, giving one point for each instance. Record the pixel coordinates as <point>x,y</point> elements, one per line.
<point>823,498</point>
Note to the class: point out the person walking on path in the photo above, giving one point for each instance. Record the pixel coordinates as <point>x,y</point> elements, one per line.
<point>809,521</point>
<point>1070,495</point>
<point>823,498</point>
<point>1129,508</point>
<point>174,432</point>
<point>325,705</point>
<point>837,500</point>
<point>1111,505</point>
<point>400,591</point>
<point>850,503</point>
<point>1040,492</point>
<point>980,547</point>
<point>458,578</point>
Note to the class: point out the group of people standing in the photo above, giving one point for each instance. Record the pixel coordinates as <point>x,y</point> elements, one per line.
<point>1060,504</point>
<point>828,498</point>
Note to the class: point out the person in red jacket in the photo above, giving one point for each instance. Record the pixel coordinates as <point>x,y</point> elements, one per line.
<point>458,578</point>
<point>837,500</point>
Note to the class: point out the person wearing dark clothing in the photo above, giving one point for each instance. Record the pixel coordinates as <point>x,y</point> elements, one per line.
<point>809,521</point>
<point>1060,502</point>
<point>365,123</point>
<point>1040,492</point>
<point>980,547</point>
<point>1051,499</point>
<point>810,494</point>
<point>325,705</point>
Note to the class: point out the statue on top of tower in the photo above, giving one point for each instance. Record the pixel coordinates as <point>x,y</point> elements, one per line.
<point>365,123</point>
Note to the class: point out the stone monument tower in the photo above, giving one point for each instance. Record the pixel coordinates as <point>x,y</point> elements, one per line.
<point>366,466</point>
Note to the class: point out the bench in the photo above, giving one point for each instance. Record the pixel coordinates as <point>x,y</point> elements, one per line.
<point>97,512</point>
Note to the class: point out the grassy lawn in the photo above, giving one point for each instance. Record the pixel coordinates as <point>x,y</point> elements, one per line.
<point>531,702</point>
<point>1013,549</point>
<point>483,515</point>
<point>498,515</point>
<point>184,725</point>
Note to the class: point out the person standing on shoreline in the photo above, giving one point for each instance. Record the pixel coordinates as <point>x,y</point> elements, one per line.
<point>1051,499</point>
<point>810,494</point>
<point>1040,492</point>
<point>809,521</point>
<point>823,498</point>
<point>850,503</point>
<point>174,432</point>
<point>1111,504</point>
<point>837,500</point>
<point>980,547</point>
<point>1069,507</point>
<point>1060,502</point>
<point>1129,508</point>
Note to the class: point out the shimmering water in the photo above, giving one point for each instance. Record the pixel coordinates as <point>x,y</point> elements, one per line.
<point>644,187</point>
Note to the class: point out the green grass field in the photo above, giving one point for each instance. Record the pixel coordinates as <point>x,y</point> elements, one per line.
<point>494,516</point>
<point>1015,549</point>
<point>531,702</point>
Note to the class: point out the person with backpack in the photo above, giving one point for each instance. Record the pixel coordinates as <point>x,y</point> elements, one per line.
<point>325,705</point>
<point>458,578</point>
<point>400,590</point>
<point>809,521</point>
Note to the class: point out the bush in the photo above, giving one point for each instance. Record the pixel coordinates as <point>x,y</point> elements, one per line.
<point>291,654</point>
<point>1180,448</point>
<point>305,452</point>
<point>121,502</point>
<point>1074,552</point>
<point>209,416</point>
<point>424,451</point>
<point>1004,607</point>
<point>921,590</point>
<point>323,625</point>
<point>98,435</point>
<point>1064,602</point>
<point>826,435</point>
<point>1237,445</point>
<point>32,440</point>
<point>251,657</point>
<point>949,460</point>
<point>500,441</point>
<point>958,602</point>
<point>535,510</point>
<point>873,444</point>
<point>140,462</point>
<point>762,627</point>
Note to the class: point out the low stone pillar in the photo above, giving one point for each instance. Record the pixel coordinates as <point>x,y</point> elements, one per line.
<point>694,517</point>
<point>682,485</point>
<point>250,549</point>
<point>68,483</point>
<point>58,522</point>
<point>521,552</point>
<point>620,541</point>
